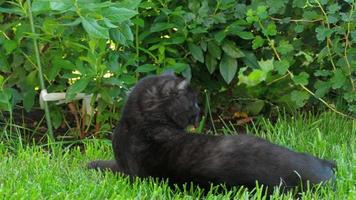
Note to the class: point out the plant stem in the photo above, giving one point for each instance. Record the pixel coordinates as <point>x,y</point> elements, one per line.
<point>297,20</point>
<point>328,40</point>
<point>347,44</point>
<point>137,44</point>
<point>40,74</point>
<point>207,99</point>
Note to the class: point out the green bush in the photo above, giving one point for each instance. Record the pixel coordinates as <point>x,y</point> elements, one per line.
<point>247,54</point>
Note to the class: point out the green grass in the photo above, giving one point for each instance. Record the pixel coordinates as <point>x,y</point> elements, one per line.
<point>32,172</point>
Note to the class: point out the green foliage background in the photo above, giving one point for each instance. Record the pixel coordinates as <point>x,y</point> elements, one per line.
<point>253,55</point>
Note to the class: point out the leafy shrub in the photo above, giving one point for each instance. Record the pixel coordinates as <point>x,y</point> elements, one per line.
<point>247,54</point>
<point>281,52</point>
<point>75,50</point>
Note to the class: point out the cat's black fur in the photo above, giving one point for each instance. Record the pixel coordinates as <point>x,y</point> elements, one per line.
<point>151,141</point>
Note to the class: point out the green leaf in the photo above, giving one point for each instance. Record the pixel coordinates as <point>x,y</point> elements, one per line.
<point>323,2</point>
<point>158,27</point>
<point>31,81</point>
<point>118,15</point>
<point>219,18</point>
<point>118,37</point>
<point>105,95</point>
<point>1,81</point>
<point>59,63</point>
<point>176,39</point>
<point>73,23</point>
<point>338,80</point>
<point>10,46</point>
<point>220,36</point>
<point>250,60</point>
<point>29,99</point>
<point>138,21</point>
<point>61,5</point>
<point>251,17</point>
<point>299,3</point>
<point>130,4</point>
<point>276,6</point>
<point>51,26</point>
<point>350,97</point>
<point>228,68</point>
<point>214,49</point>
<point>257,42</point>
<point>270,30</point>
<point>345,17</point>
<point>108,23</point>
<point>94,29</point>
<point>266,65</point>
<point>187,73</point>
<point>204,45</point>
<point>204,9</point>
<point>63,63</point>
<point>4,65</point>
<point>13,10</point>
<point>210,63</point>
<point>299,97</point>
<point>196,52</point>
<point>322,88</point>
<point>254,107</point>
<point>323,72</point>
<point>178,67</point>
<point>322,33</point>
<point>299,28</point>
<point>230,49</point>
<point>261,12</point>
<point>244,35</point>
<point>77,87</point>
<point>285,47</point>
<point>129,79</point>
<point>39,6</point>
<point>332,19</point>
<point>198,30</point>
<point>254,78</point>
<point>113,81</point>
<point>353,36</point>
<point>5,100</point>
<point>126,31</point>
<point>281,66</point>
<point>352,108</point>
<point>301,78</point>
<point>311,15</point>
<point>56,116</point>
<point>309,57</point>
<point>145,68</point>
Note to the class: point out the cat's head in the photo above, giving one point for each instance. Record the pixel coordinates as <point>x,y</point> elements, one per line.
<point>167,99</point>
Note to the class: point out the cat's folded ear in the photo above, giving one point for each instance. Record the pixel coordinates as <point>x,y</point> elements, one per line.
<point>169,87</point>
<point>183,85</point>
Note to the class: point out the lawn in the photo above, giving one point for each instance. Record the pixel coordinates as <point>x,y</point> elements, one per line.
<point>33,172</point>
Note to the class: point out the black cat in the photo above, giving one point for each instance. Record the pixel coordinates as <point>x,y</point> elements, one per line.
<point>151,141</point>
